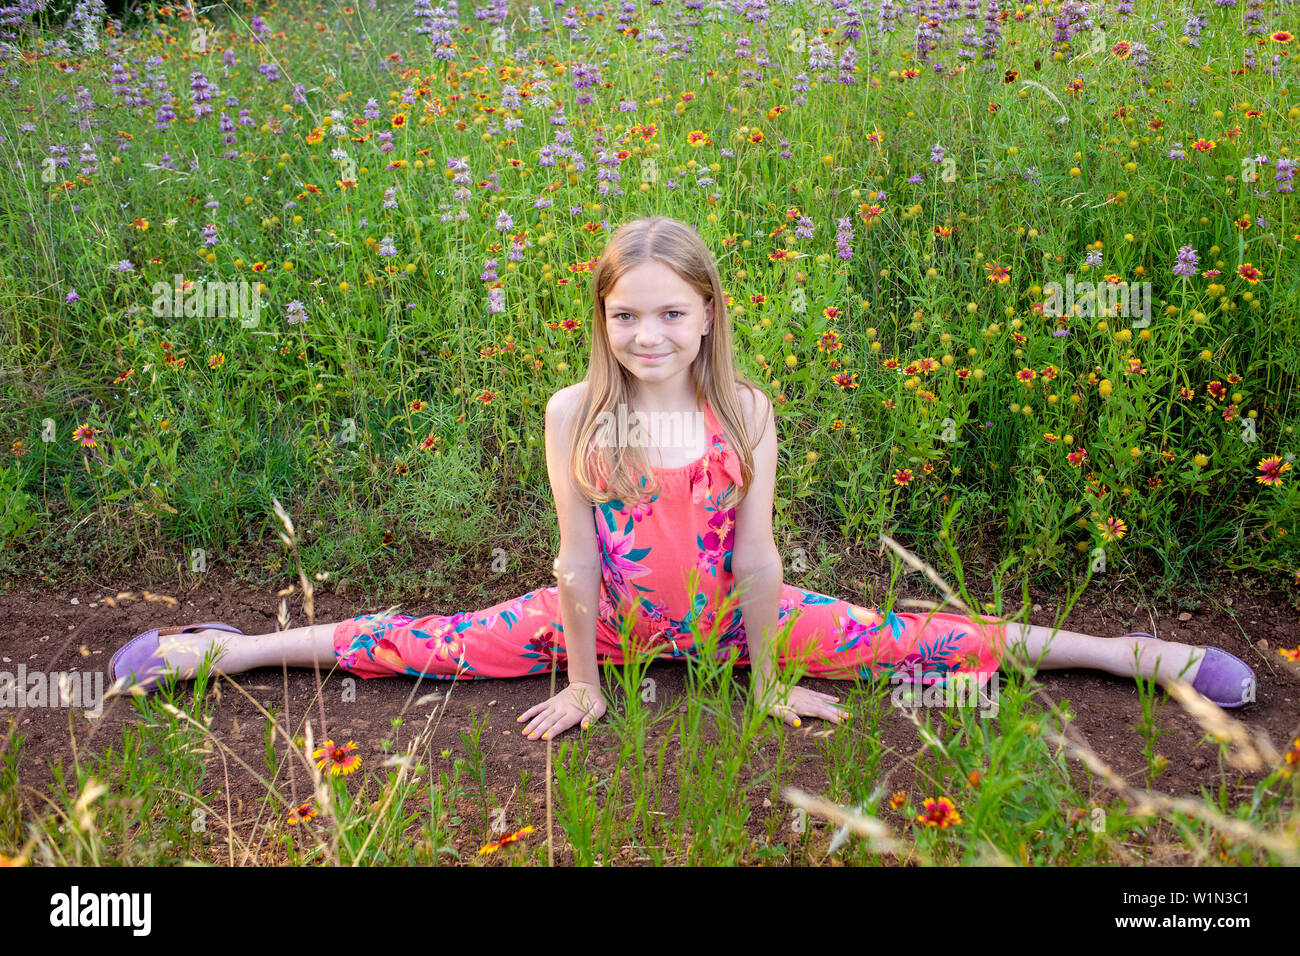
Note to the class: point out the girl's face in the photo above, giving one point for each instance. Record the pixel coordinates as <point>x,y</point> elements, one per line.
<point>655,321</point>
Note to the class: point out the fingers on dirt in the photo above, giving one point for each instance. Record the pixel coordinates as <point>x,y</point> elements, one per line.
<point>550,724</point>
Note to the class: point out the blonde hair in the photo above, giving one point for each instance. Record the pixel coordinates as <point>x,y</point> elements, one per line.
<point>678,246</point>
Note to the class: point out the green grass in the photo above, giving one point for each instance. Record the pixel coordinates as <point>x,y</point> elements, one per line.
<point>1009,783</point>
<point>407,411</point>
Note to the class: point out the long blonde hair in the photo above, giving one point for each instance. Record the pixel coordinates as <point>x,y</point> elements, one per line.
<point>679,247</point>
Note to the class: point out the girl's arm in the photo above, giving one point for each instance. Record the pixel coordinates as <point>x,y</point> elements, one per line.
<point>577,567</point>
<point>755,562</point>
<point>760,600</point>
<point>756,568</point>
<point>579,594</point>
<point>578,572</point>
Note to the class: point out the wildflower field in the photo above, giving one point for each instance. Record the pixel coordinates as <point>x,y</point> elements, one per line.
<point>1021,279</point>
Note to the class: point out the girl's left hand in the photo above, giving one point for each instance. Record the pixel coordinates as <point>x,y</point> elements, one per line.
<point>790,703</point>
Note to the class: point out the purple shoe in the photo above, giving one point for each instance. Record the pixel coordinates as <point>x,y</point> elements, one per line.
<point>135,659</point>
<point>1225,679</point>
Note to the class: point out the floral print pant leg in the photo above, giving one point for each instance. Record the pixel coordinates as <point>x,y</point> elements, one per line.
<point>521,636</point>
<point>515,638</point>
<point>830,641</point>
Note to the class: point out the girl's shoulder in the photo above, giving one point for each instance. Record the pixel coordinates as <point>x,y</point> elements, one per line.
<point>757,407</point>
<point>569,398</point>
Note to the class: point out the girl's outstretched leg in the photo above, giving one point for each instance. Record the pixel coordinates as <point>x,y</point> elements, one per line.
<point>515,638</point>
<point>1223,678</point>
<point>297,647</point>
<point>1130,656</point>
<point>839,639</point>
<point>825,637</point>
<point>835,639</point>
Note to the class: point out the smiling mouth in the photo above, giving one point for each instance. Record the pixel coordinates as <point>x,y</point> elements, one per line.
<point>651,357</point>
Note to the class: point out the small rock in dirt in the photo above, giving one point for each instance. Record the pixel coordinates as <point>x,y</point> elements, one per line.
<point>1185,616</point>
<point>1038,607</point>
<point>766,802</point>
<point>1198,763</point>
<point>492,703</point>
<point>75,601</point>
<point>1262,643</point>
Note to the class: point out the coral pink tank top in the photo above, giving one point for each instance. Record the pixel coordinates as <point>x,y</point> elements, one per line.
<point>649,550</point>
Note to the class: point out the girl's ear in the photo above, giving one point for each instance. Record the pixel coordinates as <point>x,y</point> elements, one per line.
<point>708,314</point>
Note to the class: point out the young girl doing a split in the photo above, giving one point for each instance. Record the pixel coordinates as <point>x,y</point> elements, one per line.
<point>670,538</point>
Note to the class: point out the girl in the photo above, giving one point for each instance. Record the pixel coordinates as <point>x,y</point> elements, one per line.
<point>666,532</point>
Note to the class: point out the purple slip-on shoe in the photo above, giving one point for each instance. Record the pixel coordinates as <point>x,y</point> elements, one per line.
<point>1225,679</point>
<point>135,659</point>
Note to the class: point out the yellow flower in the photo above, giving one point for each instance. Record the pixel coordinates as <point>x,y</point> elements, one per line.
<point>302,814</point>
<point>337,759</point>
<point>505,841</point>
<point>940,813</point>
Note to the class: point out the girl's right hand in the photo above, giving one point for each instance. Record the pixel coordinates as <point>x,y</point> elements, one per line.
<point>577,702</point>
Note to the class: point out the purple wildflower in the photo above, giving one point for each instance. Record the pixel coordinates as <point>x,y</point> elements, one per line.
<point>1186,264</point>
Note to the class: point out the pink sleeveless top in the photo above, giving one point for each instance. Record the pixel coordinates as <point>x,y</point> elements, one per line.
<point>649,551</point>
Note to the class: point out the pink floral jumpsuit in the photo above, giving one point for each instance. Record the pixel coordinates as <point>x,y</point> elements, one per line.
<point>667,564</point>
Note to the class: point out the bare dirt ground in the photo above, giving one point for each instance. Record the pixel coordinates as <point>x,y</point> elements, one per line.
<point>80,628</point>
